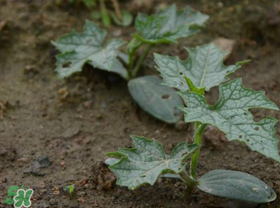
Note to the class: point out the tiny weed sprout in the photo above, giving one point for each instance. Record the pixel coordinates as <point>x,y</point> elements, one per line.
<point>90,47</point>
<point>70,189</point>
<point>204,69</point>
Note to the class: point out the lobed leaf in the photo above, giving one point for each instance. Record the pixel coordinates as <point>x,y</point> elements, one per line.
<point>112,161</point>
<point>236,185</point>
<point>88,47</point>
<point>169,25</point>
<point>204,68</point>
<point>160,101</point>
<point>231,115</point>
<point>145,163</point>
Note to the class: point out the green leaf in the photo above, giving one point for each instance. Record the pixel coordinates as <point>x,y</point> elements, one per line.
<point>70,188</point>
<point>236,185</point>
<point>112,161</point>
<point>230,114</point>
<point>96,15</point>
<point>160,101</point>
<point>89,3</point>
<point>127,18</point>
<point>106,20</point>
<point>204,68</point>
<point>88,47</point>
<point>145,163</point>
<point>193,88</point>
<point>169,25</point>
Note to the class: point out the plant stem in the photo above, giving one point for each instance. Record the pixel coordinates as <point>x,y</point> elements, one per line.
<point>190,183</point>
<point>117,9</point>
<point>198,130</point>
<point>141,59</point>
<point>131,56</point>
<point>104,14</point>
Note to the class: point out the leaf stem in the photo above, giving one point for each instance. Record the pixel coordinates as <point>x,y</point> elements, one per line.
<point>131,54</point>
<point>190,183</point>
<point>198,130</point>
<point>141,59</point>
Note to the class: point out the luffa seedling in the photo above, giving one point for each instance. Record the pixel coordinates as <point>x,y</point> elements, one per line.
<point>204,69</point>
<point>89,47</point>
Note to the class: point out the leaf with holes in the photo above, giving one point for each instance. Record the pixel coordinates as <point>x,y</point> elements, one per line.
<point>145,163</point>
<point>77,49</point>
<point>169,25</point>
<point>230,114</point>
<point>160,101</point>
<point>204,68</point>
<point>236,185</point>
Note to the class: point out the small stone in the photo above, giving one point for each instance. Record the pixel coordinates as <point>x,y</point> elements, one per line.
<point>181,125</point>
<point>3,180</point>
<point>127,130</point>
<point>62,163</point>
<point>44,161</point>
<point>87,104</point>
<point>30,69</point>
<point>23,160</point>
<point>224,44</point>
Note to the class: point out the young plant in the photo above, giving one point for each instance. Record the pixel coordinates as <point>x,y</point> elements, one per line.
<point>70,189</point>
<point>89,47</point>
<point>204,69</point>
<point>119,16</point>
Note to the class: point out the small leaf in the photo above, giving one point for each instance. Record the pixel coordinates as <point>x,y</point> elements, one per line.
<point>236,185</point>
<point>160,101</point>
<point>87,47</point>
<point>145,163</point>
<point>204,68</point>
<point>231,115</point>
<point>89,3</point>
<point>70,188</point>
<point>96,15</point>
<point>105,18</point>
<point>193,88</point>
<point>169,25</point>
<point>127,18</point>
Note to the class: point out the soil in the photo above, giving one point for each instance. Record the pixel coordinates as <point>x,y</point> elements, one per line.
<point>74,122</point>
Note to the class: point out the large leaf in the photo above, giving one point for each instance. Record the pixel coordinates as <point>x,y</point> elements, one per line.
<point>236,185</point>
<point>169,25</point>
<point>145,163</point>
<point>160,101</point>
<point>204,68</point>
<point>230,114</point>
<point>88,47</point>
